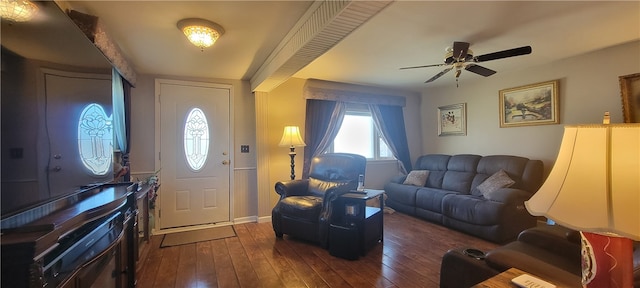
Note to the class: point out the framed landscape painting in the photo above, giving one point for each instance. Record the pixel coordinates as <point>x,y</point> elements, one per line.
<point>535,104</point>
<point>452,119</point>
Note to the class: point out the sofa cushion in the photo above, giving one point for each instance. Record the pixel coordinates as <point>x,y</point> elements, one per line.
<point>460,173</point>
<point>514,166</point>
<point>458,181</point>
<point>431,198</point>
<point>437,166</point>
<point>496,181</point>
<point>401,197</point>
<point>473,209</point>
<point>417,178</point>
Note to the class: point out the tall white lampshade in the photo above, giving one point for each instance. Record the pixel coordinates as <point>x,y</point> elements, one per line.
<point>594,187</point>
<point>291,138</point>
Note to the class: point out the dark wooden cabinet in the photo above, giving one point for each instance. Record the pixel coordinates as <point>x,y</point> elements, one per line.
<point>83,240</point>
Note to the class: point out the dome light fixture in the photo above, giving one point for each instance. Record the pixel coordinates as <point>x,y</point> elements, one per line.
<point>17,10</point>
<point>202,33</point>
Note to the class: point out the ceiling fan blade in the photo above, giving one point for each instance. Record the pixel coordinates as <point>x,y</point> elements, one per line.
<point>479,70</point>
<point>460,50</point>
<point>423,66</point>
<point>503,54</point>
<point>439,74</point>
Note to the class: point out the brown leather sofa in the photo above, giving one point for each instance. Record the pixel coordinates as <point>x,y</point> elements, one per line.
<point>306,205</point>
<point>451,198</point>
<point>549,252</point>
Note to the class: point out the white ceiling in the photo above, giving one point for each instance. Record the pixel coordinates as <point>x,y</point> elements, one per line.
<point>405,33</point>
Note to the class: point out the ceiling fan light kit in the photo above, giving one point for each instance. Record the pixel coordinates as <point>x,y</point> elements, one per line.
<point>461,57</point>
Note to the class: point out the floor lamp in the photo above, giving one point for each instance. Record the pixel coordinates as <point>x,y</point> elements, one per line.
<point>594,187</point>
<point>291,138</point>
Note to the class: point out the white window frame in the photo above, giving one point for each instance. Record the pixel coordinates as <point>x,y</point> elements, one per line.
<point>361,110</point>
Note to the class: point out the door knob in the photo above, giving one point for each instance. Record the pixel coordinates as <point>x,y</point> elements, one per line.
<point>225,162</point>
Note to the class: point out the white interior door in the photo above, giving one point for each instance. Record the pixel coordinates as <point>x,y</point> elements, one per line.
<point>194,154</point>
<point>78,113</point>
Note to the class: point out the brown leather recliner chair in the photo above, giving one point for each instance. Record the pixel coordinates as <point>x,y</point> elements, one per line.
<point>305,206</point>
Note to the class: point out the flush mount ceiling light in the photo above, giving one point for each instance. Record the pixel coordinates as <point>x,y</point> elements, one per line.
<point>17,10</point>
<point>200,32</point>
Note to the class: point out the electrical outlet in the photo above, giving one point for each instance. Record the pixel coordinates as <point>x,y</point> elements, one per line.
<point>244,148</point>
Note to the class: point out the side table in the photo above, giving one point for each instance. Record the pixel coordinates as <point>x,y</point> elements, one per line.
<point>352,211</point>
<point>501,280</point>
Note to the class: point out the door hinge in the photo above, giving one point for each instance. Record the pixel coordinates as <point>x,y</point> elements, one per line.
<point>159,213</point>
<point>159,158</point>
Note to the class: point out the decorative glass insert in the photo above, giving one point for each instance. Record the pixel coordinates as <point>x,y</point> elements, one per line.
<point>196,139</point>
<point>95,139</point>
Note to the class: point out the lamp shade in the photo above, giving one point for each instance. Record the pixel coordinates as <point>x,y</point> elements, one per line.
<point>291,137</point>
<point>594,185</point>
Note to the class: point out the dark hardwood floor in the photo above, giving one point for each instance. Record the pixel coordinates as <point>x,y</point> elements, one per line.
<point>409,257</point>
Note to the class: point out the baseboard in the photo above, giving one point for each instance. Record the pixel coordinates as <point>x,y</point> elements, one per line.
<point>249,219</point>
<point>264,219</point>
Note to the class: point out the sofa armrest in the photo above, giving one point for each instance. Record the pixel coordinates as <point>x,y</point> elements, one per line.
<point>510,195</point>
<point>292,188</point>
<point>553,238</point>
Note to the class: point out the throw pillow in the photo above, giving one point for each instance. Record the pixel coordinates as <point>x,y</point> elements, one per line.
<point>417,177</point>
<point>496,181</point>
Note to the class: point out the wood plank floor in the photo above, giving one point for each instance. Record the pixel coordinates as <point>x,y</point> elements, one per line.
<point>409,257</point>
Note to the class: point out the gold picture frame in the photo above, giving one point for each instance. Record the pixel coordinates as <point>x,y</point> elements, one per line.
<point>534,104</point>
<point>630,94</point>
<point>452,119</point>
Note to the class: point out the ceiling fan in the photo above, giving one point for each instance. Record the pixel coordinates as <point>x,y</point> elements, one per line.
<point>460,56</point>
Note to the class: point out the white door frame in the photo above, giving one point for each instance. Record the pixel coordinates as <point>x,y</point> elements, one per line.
<point>158,83</point>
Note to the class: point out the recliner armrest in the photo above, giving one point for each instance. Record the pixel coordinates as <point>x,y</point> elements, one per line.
<point>292,188</point>
<point>510,195</point>
<point>554,238</point>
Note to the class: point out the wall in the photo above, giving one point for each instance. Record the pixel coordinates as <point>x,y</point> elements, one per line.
<point>285,105</point>
<point>588,87</point>
<point>143,154</point>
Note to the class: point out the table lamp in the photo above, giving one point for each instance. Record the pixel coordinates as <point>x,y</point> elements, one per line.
<point>594,187</point>
<point>291,138</point>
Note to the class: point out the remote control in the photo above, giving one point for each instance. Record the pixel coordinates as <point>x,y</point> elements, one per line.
<point>528,281</point>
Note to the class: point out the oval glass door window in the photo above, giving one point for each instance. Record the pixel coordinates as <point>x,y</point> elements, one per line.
<point>95,138</point>
<point>196,139</point>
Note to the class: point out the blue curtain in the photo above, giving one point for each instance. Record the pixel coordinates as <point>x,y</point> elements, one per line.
<point>119,121</point>
<point>390,121</point>
<point>322,123</point>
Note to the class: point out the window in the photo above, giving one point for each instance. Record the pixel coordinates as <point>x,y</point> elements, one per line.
<point>196,139</point>
<point>359,135</point>
<point>94,139</point>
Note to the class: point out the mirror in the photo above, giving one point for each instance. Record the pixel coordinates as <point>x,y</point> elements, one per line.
<point>56,109</point>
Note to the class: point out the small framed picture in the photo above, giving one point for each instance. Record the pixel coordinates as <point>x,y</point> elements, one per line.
<point>535,104</point>
<point>630,93</point>
<point>452,119</point>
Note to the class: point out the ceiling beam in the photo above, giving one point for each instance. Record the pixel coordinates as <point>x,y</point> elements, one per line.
<point>323,25</point>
